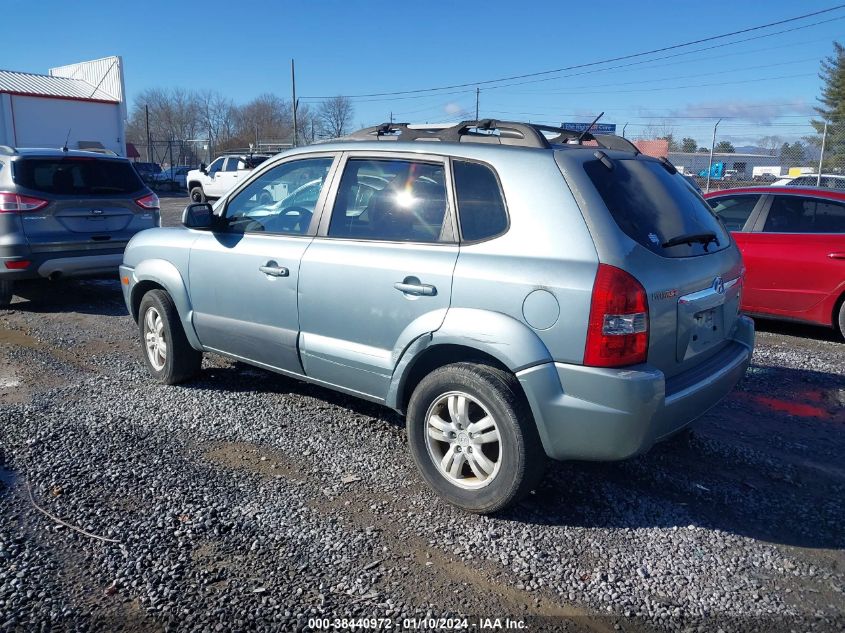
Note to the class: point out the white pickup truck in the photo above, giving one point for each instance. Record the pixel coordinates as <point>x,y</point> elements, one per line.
<point>210,183</point>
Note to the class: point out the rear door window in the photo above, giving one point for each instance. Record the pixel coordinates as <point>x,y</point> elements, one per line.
<point>799,214</point>
<point>77,176</point>
<point>656,208</point>
<point>734,211</point>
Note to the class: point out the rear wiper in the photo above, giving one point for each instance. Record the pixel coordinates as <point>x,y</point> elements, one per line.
<point>701,238</point>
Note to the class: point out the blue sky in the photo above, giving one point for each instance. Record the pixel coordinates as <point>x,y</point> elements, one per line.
<point>766,86</point>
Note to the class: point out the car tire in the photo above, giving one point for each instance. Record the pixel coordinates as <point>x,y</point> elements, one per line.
<point>841,319</point>
<point>6,286</point>
<point>198,195</point>
<point>488,423</point>
<point>158,322</point>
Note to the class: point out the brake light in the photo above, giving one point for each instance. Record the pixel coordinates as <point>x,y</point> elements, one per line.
<point>20,264</point>
<point>617,333</point>
<point>149,202</point>
<point>16,203</point>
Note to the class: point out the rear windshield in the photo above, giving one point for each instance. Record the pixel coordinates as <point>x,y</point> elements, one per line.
<point>254,161</point>
<point>77,176</point>
<point>657,209</point>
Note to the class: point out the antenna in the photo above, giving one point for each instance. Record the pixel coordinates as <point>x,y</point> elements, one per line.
<point>67,138</point>
<point>589,127</point>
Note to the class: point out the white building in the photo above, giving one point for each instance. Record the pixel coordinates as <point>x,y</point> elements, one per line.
<point>83,104</point>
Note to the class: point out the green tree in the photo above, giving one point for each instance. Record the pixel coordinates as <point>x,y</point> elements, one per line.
<point>688,145</point>
<point>792,155</point>
<point>724,147</point>
<point>703,150</point>
<point>832,109</point>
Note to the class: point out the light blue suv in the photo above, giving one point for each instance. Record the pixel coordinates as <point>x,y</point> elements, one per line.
<point>513,291</point>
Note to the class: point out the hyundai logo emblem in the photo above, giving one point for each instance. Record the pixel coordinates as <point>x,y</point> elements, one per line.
<point>719,285</point>
<point>97,211</point>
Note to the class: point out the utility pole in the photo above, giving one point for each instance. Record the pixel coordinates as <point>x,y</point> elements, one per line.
<point>712,147</point>
<point>821,157</point>
<point>149,143</point>
<point>391,117</point>
<point>477,93</point>
<point>624,127</point>
<point>293,102</point>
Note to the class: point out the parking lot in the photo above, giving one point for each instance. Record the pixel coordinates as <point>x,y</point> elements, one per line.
<point>249,499</point>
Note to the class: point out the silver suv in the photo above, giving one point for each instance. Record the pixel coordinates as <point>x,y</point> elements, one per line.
<point>513,291</point>
<point>67,213</point>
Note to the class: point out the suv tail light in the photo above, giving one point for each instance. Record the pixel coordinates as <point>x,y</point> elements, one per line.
<point>16,203</point>
<point>617,334</point>
<point>149,202</point>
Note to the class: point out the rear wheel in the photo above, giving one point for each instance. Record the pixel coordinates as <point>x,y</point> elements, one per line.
<point>5,292</point>
<point>841,319</point>
<point>473,438</point>
<point>167,353</point>
<point>198,195</point>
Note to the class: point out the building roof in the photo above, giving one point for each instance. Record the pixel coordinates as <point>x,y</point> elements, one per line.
<point>655,147</point>
<point>32,85</point>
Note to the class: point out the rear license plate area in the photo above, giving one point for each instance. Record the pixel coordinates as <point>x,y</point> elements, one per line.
<point>700,331</point>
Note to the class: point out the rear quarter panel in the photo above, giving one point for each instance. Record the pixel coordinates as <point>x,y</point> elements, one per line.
<point>541,271</point>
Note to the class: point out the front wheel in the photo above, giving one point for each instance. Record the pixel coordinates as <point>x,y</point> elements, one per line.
<point>198,195</point>
<point>5,293</point>
<point>841,319</point>
<point>167,353</point>
<point>473,438</point>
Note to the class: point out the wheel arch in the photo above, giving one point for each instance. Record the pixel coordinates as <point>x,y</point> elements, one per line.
<point>466,335</point>
<point>837,306</point>
<point>157,273</point>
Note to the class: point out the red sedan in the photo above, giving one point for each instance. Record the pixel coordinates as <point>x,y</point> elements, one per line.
<point>793,242</point>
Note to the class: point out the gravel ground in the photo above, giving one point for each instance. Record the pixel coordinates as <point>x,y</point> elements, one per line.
<point>246,501</point>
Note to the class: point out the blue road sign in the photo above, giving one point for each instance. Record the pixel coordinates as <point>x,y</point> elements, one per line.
<point>598,128</point>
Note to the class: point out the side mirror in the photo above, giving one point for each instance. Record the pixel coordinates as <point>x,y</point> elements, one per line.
<point>203,168</point>
<point>198,215</point>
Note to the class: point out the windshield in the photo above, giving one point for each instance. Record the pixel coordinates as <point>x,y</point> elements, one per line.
<point>657,208</point>
<point>77,176</point>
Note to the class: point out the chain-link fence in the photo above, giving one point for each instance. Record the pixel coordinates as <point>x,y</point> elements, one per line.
<point>725,153</point>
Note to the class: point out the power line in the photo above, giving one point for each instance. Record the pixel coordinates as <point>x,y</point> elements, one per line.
<point>595,63</point>
<point>611,68</point>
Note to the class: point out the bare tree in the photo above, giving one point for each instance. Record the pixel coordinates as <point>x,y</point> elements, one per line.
<point>771,144</point>
<point>267,118</point>
<point>335,116</point>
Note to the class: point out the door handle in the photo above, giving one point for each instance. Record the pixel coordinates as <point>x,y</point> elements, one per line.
<point>415,289</point>
<point>274,270</point>
<point>837,255</point>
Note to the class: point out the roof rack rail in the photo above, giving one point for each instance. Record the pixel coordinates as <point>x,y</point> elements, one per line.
<point>492,131</point>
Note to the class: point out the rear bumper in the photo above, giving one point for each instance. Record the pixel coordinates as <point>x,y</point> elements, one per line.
<point>62,263</point>
<point>600,414</point>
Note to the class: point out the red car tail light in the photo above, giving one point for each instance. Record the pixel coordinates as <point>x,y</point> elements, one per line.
<point>16,203</point>
<point>20,264</point>
<point>149,202</point>
<point>617,334</point>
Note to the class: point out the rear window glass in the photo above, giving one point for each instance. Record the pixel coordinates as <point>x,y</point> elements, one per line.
<point>794,214</point>
<point>656,208</point>
<point>77,176</point>
<point>254,161</point>
<point>480,204</point>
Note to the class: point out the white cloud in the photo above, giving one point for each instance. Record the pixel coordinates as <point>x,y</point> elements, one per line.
<point>759,112</point>
<point>453,108</point>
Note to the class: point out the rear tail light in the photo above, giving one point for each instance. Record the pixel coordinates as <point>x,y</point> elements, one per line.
<point>20,264</point>
<point>617,334</point>
<point>16,203</point>
<point>149,202</point>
